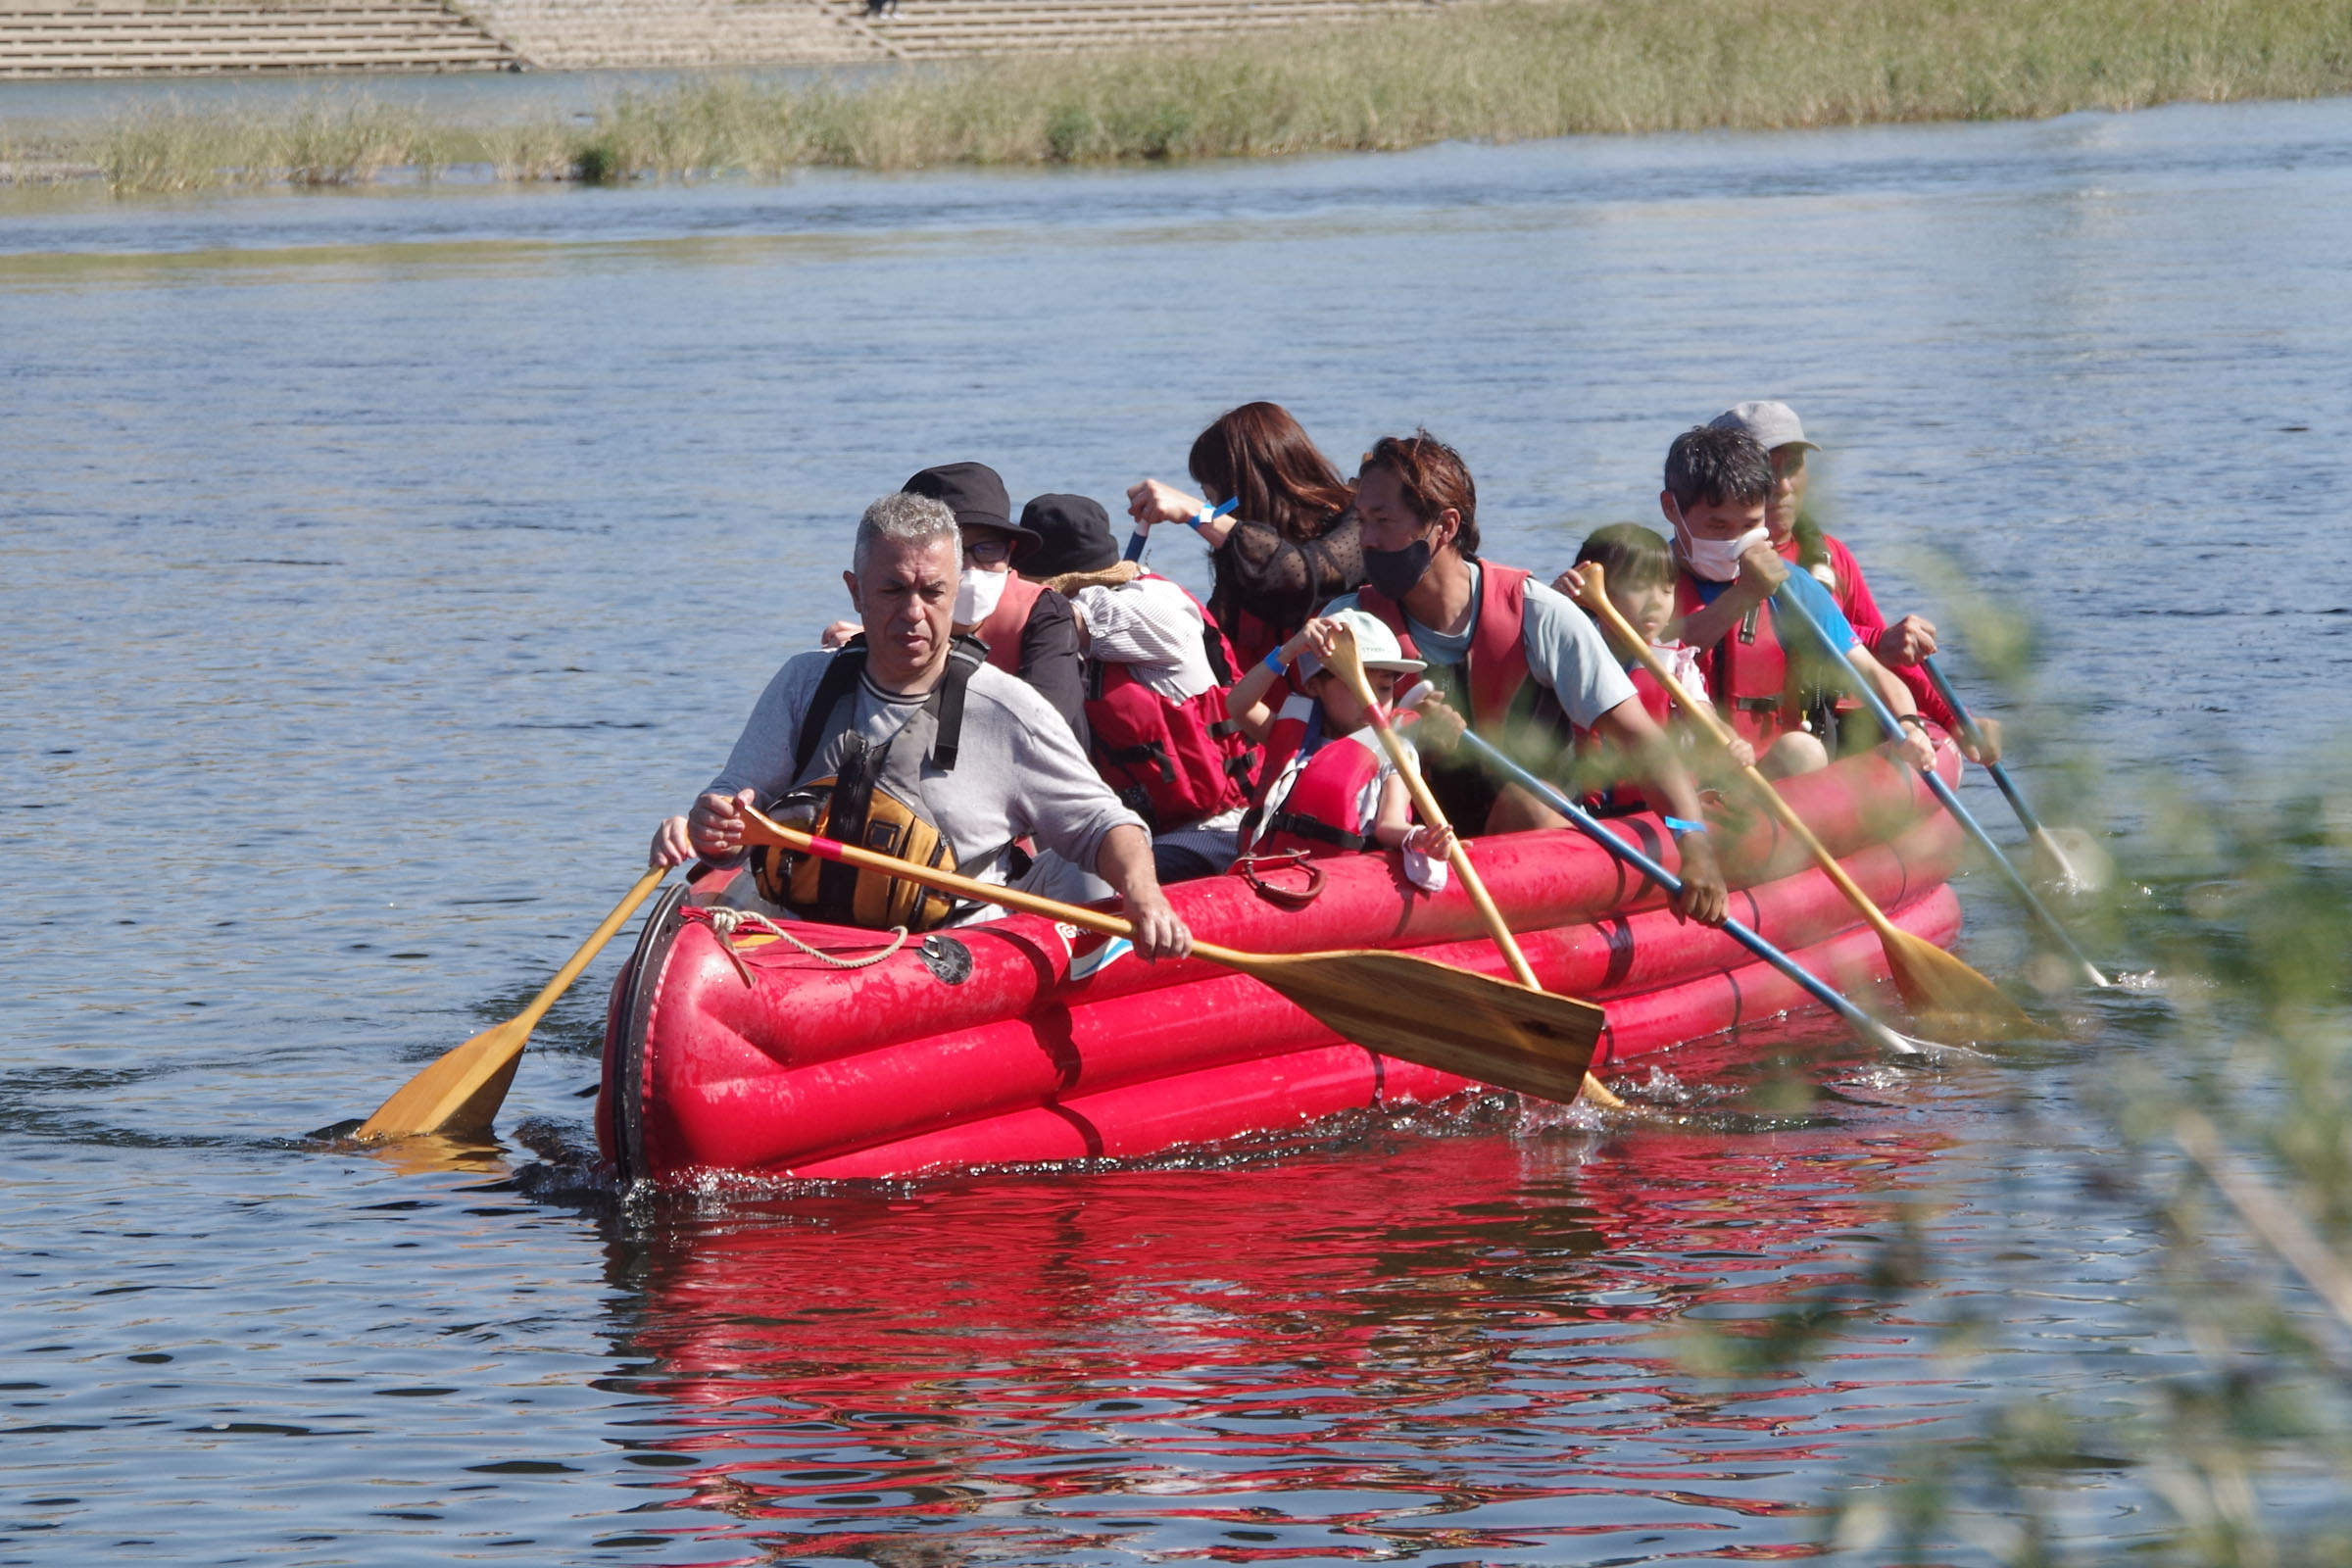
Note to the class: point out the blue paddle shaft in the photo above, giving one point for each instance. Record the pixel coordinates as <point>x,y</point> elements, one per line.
<point>1588,825</point>
<point>1785,604</point>
<point>1976,738</point>
<point>1135,546</point>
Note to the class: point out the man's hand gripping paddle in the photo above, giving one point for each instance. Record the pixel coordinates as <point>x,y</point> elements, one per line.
<point>458,1094</point>
<point>1393,1002</point>
<point>1932,980</point>
<point>1349,663</point>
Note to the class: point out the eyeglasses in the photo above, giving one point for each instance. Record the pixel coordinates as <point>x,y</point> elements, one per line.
<point>991,546</point>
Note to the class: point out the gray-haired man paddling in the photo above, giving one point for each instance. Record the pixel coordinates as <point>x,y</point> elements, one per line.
<point>940,737</point>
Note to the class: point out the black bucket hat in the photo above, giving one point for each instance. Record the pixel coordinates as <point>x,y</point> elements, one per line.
<point>1075,533</point>
<point>977,496</point>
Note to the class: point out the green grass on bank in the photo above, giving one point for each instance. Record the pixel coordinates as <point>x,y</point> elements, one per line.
<point>1498,72</point>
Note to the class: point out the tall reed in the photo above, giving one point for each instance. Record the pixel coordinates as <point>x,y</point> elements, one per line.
<point>1498,72</point>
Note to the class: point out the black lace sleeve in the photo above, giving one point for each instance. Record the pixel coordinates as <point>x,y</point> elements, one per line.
<point>1261,572</point>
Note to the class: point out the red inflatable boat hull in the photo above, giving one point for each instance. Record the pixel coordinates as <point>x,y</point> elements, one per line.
<point>1009,1042</point>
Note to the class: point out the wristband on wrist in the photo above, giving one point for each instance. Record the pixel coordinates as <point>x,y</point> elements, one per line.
<point>1275,662</point>
<point>1911,718</point>
<point>1680,826</point>
<point>1208,515</point>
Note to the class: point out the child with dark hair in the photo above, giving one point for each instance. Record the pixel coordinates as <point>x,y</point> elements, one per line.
<point>1716,483</point>
<point>1638,575</point>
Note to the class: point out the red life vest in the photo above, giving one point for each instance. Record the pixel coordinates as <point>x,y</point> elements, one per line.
<point>1747,671</point>
<point>1322,813</point>
<point>1505,700</point>
<point>1003,628</point>
<point>1172,762</point>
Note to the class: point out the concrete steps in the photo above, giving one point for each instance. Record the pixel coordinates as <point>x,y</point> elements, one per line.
<point>932,30</point>
<point>129,37</point>
<point>137,37</point>
<point>574,34</point>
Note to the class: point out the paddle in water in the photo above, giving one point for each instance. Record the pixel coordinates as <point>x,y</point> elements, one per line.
<point>1345,659</point>
<point>1786,604</point>
<point>1932,980</point>
<point>1393,1002</point>
<point>2078,871</point>
<point>458,1094</point>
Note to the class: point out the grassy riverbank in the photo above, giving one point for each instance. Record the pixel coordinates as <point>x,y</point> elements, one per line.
<point>1503,71</point>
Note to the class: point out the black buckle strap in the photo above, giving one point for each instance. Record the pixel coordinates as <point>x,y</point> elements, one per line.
<point>1306,827</point>
<point>1150,752</point>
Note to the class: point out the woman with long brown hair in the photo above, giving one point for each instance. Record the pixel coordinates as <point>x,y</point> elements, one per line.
<point>1286,542</point>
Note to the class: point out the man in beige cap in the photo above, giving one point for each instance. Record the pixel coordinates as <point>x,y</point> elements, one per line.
<point>1799,540</point>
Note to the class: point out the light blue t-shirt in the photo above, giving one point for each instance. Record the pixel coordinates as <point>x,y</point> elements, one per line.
<point>1565,652</point>
<point>1815,600</point>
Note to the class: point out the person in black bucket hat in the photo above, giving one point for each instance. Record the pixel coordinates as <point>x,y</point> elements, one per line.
<point>1028,630</point>
<point>1156,672</point>
<point>1072,534</point>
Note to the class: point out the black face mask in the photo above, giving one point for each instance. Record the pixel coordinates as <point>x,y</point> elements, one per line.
<point>1395,572</point>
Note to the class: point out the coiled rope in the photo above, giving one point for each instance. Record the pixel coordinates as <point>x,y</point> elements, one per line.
<point>725,923</point>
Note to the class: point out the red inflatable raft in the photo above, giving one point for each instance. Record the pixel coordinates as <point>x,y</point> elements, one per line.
<point>1019,1040</point>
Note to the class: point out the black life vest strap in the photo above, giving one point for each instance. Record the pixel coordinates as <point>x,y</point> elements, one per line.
<point>1308,827</point>
<point>1151,752</point>
<point>840,679</point>
<point>1213,643</point>
<point>947,699</point>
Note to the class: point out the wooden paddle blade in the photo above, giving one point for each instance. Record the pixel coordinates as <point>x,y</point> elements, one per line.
<point>1450,1019</point>
<point>457,1095</point>
<point>1936,984</point>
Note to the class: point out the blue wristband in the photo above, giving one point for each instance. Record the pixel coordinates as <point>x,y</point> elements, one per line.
<point>1680,826</point>
<point>1208,515</point>
<point>1273,660</point>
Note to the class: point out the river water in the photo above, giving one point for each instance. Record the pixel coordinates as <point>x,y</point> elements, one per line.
<point>380,563</point>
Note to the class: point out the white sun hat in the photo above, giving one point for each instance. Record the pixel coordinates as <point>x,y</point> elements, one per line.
<point>1375,645</point>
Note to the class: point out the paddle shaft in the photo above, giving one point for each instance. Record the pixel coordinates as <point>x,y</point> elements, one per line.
<point>461,1090</point>
<point>642,889</point>
<point>1459,857</point>
<point>1976,738</point>
<point>1596,599</point>
<point>1785,602</point>
<point>1862,1023</point>
<point>1352,665</point>
<point>964,887</point>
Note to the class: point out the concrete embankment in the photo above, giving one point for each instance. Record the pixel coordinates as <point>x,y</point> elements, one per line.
<point>144,38</point>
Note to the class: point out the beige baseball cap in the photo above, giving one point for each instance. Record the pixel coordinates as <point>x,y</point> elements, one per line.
<point>1773,425</point>
<point>1375,645</point>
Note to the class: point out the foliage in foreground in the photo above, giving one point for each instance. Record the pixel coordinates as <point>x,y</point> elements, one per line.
<point>1499,72</point>
<point>2231,1143</point>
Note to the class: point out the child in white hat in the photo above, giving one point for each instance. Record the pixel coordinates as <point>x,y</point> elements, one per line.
<point>1326,785</point>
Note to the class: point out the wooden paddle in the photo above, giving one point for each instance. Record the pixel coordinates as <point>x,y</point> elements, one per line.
<point>1345,659</point>
<point>459,1093</point>
<point>1393,1002</point>
<point>1932,980</point>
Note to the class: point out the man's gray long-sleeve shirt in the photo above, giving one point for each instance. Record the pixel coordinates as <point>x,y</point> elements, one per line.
<point>1019,771</point>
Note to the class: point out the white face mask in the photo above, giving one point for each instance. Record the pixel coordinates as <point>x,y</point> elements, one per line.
<point>977,595</point>
<point>1717,560</point>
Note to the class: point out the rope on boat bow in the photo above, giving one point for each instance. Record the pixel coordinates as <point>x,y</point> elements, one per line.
<point>724,922</point>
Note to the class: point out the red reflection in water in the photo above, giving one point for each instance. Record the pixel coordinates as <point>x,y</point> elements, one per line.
<point>1416,1345</point>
